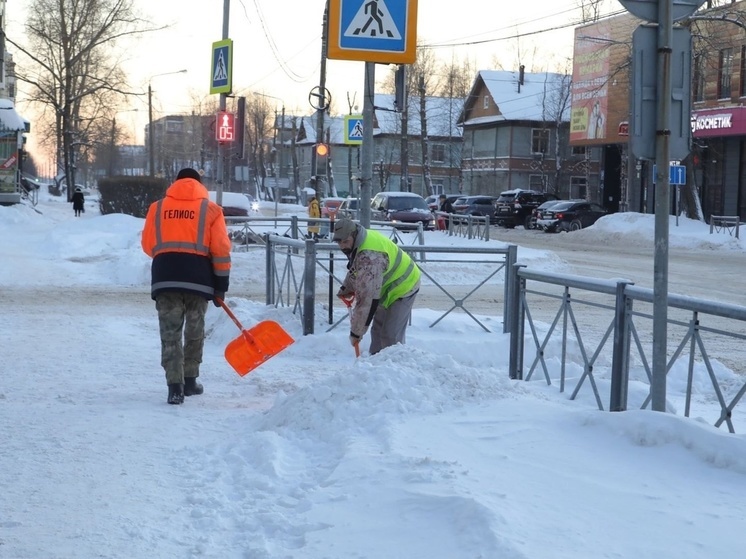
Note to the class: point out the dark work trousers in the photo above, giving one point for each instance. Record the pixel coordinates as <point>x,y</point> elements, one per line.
<point>390,325</point>
<point>181,318</point>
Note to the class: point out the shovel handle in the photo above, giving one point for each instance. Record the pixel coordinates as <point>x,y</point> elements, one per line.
<point>348,301</point>
<point>230,313</point>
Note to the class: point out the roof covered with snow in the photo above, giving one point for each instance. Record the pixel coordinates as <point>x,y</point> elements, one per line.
<point>535,99</point>
<point>441,112</point>
<point>9,118</point>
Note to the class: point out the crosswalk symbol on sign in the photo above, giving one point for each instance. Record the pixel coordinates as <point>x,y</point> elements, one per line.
<point>383,31</point>
<point>353,129</point>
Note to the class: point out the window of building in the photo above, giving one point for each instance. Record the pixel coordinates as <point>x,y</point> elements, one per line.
<point>174,126</point>
<point>698,80</point>
<point>486,102</point>
<point>536,182</point>
<point>725,71</point>
<point>742,76</point>
<point>578,187</point>
<point>539,140</point>
<point>578,150</point>
<point>438,153</point>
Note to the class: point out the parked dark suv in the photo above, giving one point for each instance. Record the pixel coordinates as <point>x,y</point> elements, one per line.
<point>475,205</point>
<point>515,207</point>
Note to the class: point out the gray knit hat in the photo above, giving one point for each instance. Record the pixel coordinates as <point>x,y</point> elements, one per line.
<point>344,229</point>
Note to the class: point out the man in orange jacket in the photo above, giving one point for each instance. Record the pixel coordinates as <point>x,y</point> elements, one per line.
<point>186,236</point>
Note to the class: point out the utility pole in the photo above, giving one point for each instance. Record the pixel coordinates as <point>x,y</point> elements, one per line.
<point>366,163</point>
<point>222,167</point>
<point>405,186</point>
<point>322,97</point>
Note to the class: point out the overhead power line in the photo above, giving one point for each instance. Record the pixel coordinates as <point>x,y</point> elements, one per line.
<point>515,35</point>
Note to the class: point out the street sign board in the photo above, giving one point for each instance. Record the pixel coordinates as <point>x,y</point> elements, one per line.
<point>676,174</point>
<point>221,72</point>
<point>225,129</point>
<point>382,31</point>
<point>354,130</point>
<point>648,9</point>
<point>643,93</point>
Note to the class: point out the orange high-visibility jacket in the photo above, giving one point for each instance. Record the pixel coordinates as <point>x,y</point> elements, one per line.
<point>186,235</point>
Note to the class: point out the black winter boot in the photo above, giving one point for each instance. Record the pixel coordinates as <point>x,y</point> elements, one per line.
<point>192,387</point>
<point>175,394</point>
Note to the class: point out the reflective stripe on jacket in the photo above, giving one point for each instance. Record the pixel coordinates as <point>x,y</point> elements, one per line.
<point>186,235</point>
<point>401,274</point>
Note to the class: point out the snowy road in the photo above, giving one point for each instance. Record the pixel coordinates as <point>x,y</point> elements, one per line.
<point>709,274</point>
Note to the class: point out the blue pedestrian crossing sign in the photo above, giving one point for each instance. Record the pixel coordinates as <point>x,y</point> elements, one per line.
<point>382,31</point>
<point>221,71</point>
<point>354,130</point>
<point>676,174</point>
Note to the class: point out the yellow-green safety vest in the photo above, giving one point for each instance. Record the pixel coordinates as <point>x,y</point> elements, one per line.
<point>402,273</point>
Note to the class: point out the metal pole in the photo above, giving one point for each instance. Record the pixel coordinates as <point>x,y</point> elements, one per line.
<point>366,162</point>
<point>151,132</point>
<point>405,144</point>
<point>322,101</point>
<point>222,167</point>
<point>662,205</point>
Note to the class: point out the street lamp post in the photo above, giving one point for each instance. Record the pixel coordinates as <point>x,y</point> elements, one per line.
<point>151,130</point>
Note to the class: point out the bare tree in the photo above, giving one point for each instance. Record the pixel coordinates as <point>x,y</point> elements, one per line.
<point>426,65</point>
<point>457,78</point>
<point>71,62</point>
<point>555,109</point>
<point>260,125</point>
<point>590,10</point>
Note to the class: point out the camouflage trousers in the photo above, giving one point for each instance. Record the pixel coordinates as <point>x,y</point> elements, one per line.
<point>181,316</point>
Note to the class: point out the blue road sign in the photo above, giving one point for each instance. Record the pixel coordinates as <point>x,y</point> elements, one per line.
<point>221,75</point>
<point>676,174</point>
<point>354,129</point>
<point>373,30</point>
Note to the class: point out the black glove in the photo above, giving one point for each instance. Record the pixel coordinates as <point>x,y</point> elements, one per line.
<point>217,298</point>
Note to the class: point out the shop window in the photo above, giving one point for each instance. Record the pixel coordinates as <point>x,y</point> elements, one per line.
<point>578,150</point>
<point>725,71</point>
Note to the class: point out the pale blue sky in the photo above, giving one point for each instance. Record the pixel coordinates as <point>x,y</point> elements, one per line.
<point>294,27</point>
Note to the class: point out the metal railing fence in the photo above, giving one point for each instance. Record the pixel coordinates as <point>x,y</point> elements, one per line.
<point>618,343</point>
<point>292,266</point>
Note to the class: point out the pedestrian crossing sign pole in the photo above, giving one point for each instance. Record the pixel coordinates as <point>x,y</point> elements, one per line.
<point>383,31</point>
<point>221,75</point>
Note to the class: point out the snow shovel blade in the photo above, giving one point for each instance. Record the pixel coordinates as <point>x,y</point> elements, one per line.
<point>256,345</point>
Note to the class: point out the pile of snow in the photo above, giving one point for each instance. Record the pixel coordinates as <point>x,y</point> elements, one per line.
<point>426,450</point>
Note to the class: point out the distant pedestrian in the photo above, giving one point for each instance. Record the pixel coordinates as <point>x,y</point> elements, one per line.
<point>314,212</point>
<point>382,279</point>
<point>78,201</point>
<point>446,207</point>
<point>186,235</point>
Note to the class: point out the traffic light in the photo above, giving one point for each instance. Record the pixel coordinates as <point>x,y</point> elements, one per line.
<point>322,158</point>
<point>400,86</point>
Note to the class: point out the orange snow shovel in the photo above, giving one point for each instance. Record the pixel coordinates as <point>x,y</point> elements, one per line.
<point>256,345</point>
